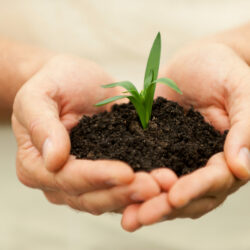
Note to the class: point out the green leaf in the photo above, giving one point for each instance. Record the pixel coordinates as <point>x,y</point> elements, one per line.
<point>140,109</point>
<point>169,83</point>
<point>149,80</point>
<point>129,86</point>
<point>153,61</point>
<point>111,99</point>
<point>149,98</point>
<point>143,101</point>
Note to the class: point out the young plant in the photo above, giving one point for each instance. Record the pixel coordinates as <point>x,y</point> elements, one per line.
<point>143,101</point>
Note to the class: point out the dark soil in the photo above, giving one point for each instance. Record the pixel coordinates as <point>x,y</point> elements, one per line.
<point>177,139</point>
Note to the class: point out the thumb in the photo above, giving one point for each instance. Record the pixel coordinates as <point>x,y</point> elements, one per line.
<point>237,143</point>
<point>39,115</point>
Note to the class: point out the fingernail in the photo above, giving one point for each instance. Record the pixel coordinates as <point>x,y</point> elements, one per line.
<point>136,197</point>
<point>47,147</point>
<point>244,158</point>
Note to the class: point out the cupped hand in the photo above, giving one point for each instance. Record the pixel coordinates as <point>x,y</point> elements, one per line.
<point>45,110</point>
<point>216,82</point>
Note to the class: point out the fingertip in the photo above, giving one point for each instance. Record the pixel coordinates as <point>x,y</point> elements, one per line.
<point>165,178</point>
<point>126,175</point>
<point>129,220</point>
<point>177,196</point>
<point>144,187</point>
<point>56,150</point>
<point>240,164</point>
<point>120,173</point>
<point>244,164</point>
<point>97,174</point>
<point>177,202</point>
<point>153,210</point>
<point>237,154</point>
<point>200,182</point>
<point>239,171</point>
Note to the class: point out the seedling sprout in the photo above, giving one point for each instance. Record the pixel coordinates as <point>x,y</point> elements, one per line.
<point>143,101</point>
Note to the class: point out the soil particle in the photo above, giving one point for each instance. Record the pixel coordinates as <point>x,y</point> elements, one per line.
<point>175,138</point>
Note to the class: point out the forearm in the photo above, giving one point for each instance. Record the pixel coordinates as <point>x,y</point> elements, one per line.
<point>18,63</point>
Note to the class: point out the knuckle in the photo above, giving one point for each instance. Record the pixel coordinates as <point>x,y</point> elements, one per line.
<point>71,202</point>
<point>89,182</point>
<point>122,200</point>
<point>24,180</point>
<point>81,204</point>
<point>53,198</point>
<point>35,126</point>
<point>66,186</point>
<point>221,180</point>
<point>30,176</point>
<point>22,175</point>
<point>89,207</point>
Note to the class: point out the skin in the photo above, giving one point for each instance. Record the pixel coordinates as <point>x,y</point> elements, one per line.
<point>54,91</point>
<point>45,109</point>
<point>215,79</point>
<point>19,62</point>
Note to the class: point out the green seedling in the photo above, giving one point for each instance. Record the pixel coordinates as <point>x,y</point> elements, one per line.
<point>143,101</point>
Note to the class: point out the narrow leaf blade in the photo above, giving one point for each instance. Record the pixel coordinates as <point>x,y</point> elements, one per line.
<point>111,99</point>
<point>129,86</point>
<point>169,83</point>
<point>149,81</point>
<point>149,98</point>
<point>140,109</point>
<point>153,61</point>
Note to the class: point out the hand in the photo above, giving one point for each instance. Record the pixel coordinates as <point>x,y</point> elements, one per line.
<point>216,81</point>
<point>45,109</point>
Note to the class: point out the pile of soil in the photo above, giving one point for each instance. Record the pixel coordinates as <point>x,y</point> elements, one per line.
<point>175,138</point>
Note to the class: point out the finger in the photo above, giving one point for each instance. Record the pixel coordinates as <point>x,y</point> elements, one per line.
<point>38,112</point>
<point>142,188</point>
<point>76,177</point>
<point>210,181</point>
<point>129,221</point>
<point>81,176</point>
<point>30,171</point>
<point>158,209</point>
<point>29,163</point>
<point>154,210</point>
<point>195,209</point>
<point>211,115</point>
<point>237,143</point>
<point>54,197</point>
<point>165,178</point>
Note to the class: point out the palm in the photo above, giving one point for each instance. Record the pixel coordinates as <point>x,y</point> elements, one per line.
<point>72,87</point>
<point>78,86</point>
<point>45,110</point>
<point>207,76</point>
<point>203,77</point>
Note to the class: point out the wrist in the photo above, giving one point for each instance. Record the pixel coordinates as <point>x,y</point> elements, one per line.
<point>18,63</point>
